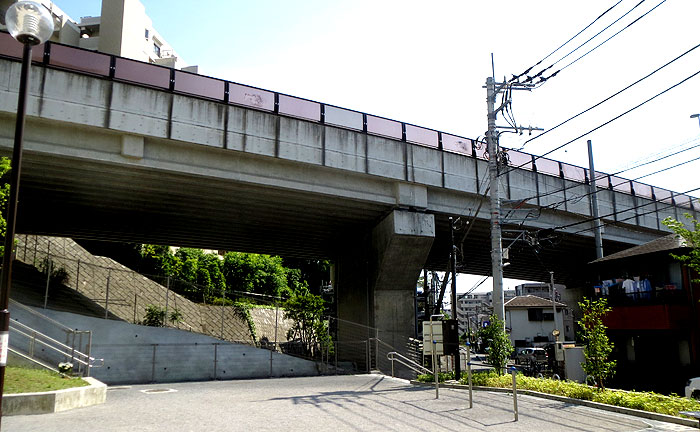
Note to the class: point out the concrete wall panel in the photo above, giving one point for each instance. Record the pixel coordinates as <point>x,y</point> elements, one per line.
<point>578,198</point>
<point>300,141</point>
<point>259,131</point>
<point>551,193</point>
<point>624,205</point>
<point>140,110</point>
<point>646,213</point>
<point>386,157</point>
<point>70,97</point>
<point>460,172</point>
<point>424,165</point>
<point>345,149</point>
<point>522,184</point>
<point>198,121</point>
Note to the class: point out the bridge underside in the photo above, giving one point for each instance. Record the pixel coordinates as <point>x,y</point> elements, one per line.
<point>92,200</point>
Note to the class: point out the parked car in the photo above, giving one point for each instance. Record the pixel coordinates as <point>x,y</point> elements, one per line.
<point>692,388</point>
<point>531,355</point>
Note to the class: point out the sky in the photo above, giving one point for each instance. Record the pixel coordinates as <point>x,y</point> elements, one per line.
<point>426,63</point>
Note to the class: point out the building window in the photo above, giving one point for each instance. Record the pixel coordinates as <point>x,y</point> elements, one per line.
<point>156,49</point>
<point>146,34</point>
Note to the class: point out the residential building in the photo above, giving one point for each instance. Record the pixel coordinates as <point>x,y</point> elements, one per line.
<point>122,29</point>
<point>654,322</point>
<point>475,309</point>
<point>531,320</point>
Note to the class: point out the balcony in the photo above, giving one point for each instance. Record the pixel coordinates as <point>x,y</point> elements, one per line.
<point>649,317</point>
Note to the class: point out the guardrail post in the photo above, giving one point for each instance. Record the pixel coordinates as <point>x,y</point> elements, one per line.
<point>135,301</point>
<point>77,278</point>
<point>49,264</point>
<point>216,349</point>
<point>153,364</point>
<point>109,275</point>
<point>89,350</point>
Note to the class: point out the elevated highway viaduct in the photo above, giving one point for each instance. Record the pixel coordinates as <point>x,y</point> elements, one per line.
<point>126,151</point>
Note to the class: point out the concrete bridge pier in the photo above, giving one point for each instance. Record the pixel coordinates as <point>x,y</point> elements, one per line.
<point>376,280</point>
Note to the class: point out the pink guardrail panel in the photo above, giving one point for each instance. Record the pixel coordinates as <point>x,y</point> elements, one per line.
<point>385,127</point>
<point>621,185</point>
<point>682,200</point>
<point>663,195</point>
<point>601,180</point>
<point>419,135</point>
<point>11,48</point>
<point>251,97</point>
<point>547,166</point>
<point>142,73</point>
<point>456,144</point>
<point>520,160</point>
<point>574,173</point>
<point>343,117</point>
<point>76,59</point>
<point>199,85</point>
<point>302,108</point>
<point>642,190</point>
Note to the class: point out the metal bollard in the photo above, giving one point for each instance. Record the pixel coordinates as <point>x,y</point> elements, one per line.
<point>515,395</point>
<point>469,373</point>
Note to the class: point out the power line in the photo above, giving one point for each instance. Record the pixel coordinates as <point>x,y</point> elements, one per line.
<point>617,212</point>
<point>604,124</point>
<point>609,97</point>
<point>515,78</point>
<point>539,74</point>
<point>544,79</point>
<point>579,197</point>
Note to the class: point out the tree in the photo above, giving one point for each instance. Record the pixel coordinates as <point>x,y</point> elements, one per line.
<point>692,240</point>
<point>499,346</point>
<point>598,346</point>
<point>306,310</point>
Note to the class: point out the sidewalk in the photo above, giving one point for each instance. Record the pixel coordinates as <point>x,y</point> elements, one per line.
<point>336,403</point>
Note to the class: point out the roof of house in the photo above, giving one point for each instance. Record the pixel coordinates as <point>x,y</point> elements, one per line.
<point>529,301</point>
<point>666,243</point>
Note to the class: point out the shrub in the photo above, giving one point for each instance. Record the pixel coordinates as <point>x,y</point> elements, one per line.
<point>647,401</point>
<point>155,316</point>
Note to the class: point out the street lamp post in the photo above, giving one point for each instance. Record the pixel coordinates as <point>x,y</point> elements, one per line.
<point>30,23</point>
<point>697,116</point>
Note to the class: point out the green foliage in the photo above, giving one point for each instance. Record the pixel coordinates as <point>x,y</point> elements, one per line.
<point>155,316</point>
<point>59,275</point>
<point>499,346</point>
<point>430,378</point>
<point>647,401</point>
<point>175,316</point>
<point>306,310</point>
<point>261,274</point>
<point>692,240</point>
<point>241,310</point>
<point>4,195</point>
<point>24,380</point>
<point>598,346</point>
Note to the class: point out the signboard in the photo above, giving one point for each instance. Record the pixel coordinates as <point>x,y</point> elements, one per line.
<point>436,340</point>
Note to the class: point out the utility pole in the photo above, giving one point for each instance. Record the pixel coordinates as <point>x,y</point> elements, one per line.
<point>496,245</point>
<point>555,333</point>
<point>493,89</point>
<point>453,264</point>
<point>598,231</point>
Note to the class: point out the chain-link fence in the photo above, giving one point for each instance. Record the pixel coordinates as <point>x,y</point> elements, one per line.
<point>126,295</point>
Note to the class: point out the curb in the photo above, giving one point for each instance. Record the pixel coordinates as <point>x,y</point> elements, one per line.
<point>55,401</point>
<point>597,405</point>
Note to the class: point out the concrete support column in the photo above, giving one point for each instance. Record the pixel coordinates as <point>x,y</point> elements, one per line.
<point>376,278</point>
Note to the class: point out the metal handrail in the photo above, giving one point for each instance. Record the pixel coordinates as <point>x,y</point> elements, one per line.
<point>63,327</point>
<point>55,345</point>
<point>406,362</point>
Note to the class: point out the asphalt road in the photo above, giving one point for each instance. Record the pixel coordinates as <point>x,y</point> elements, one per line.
<point>335,403</point>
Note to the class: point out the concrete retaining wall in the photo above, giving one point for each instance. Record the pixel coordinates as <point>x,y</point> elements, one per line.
<point>141,354</point>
